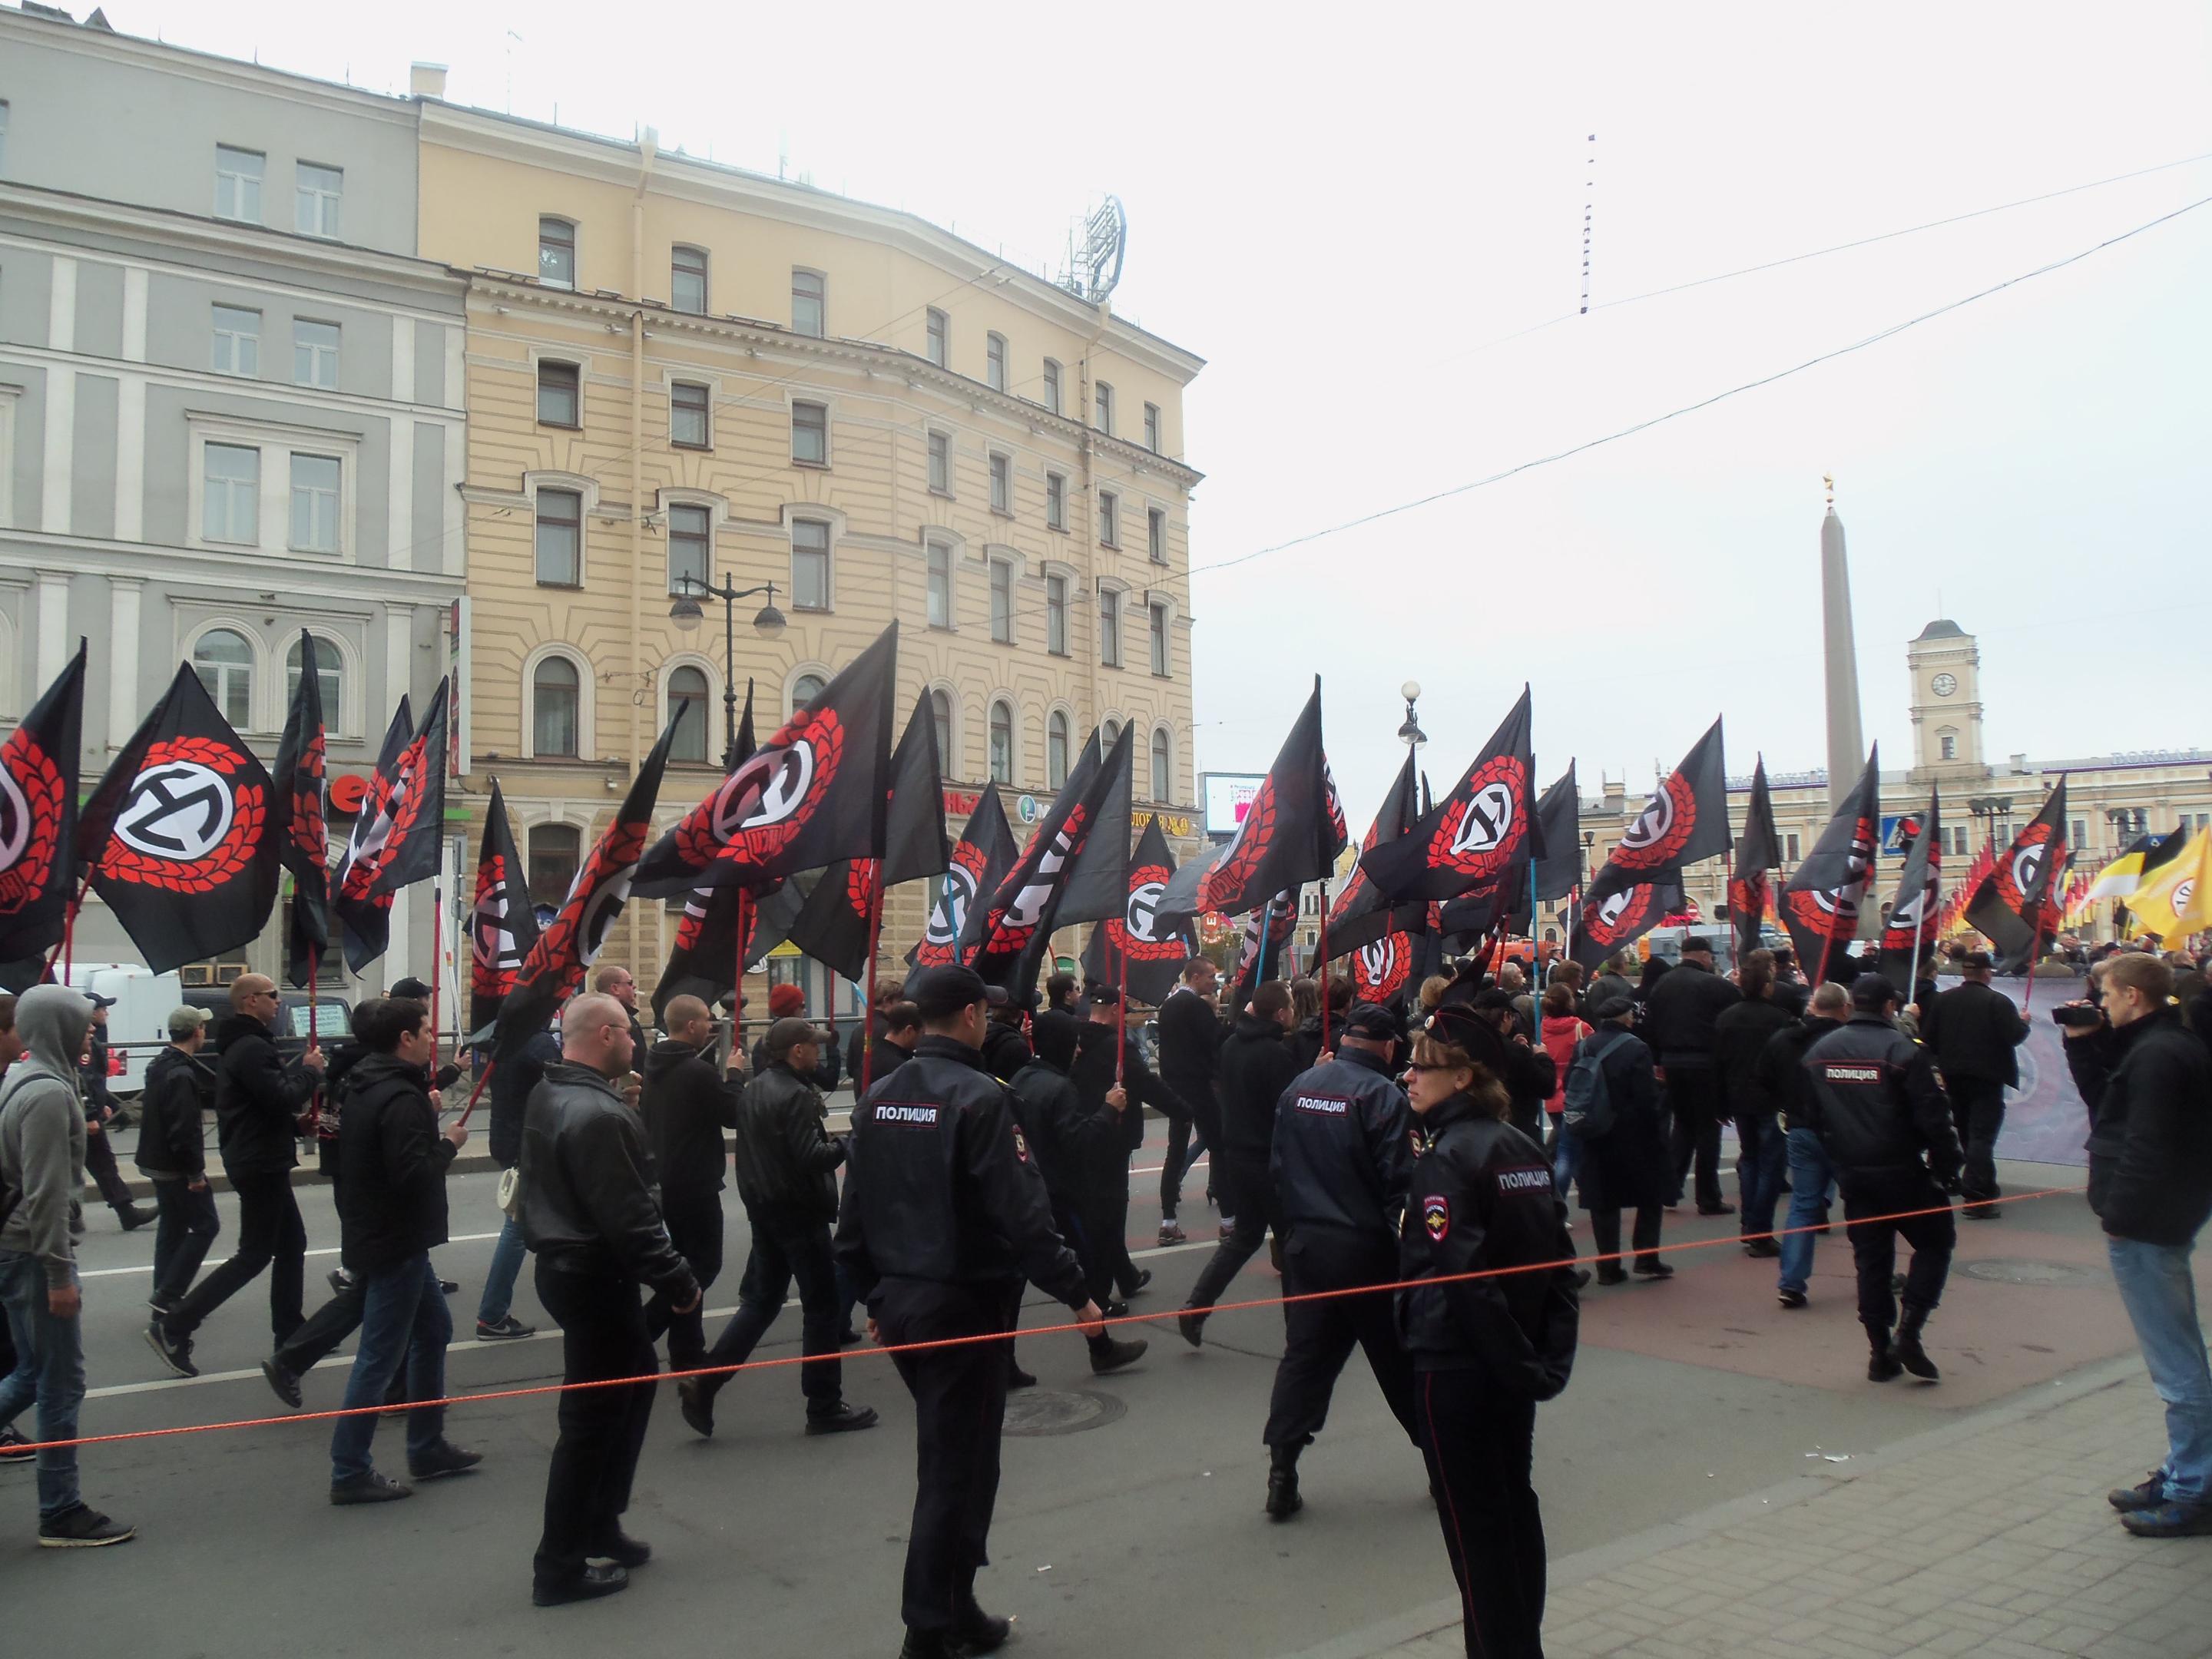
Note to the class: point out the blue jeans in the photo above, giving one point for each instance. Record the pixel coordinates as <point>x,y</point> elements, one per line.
<point>2161,1297</point>
<point>506,1258</point>
<point>49,1368</point>
<point>1809,1179</point>
<point>1758,1172</point>
<point>1566,1150</point>
<point>403,1318</point>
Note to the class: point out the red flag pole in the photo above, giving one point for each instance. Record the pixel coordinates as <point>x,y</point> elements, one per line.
<point>1324,965</point>
<point>483,1077</point>
<point>437,962</point>
<point>1121,1011</point>
<point>738,980</point>
<point>868,1013</point>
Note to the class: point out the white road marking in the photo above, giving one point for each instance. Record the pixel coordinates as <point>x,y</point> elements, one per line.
<point>117,1272</point>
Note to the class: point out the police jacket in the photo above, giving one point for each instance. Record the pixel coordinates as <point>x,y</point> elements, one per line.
<point>1680,1014</point>
<point>1255,1069</point>
<point>1973,1030</point>
<point>589,1205</point>
<point>1190,1047</point>
<point>1876,1104</point>
<point>2149,1088</point>
<point>1068,1137</point>
<point>1343,1146</point>
<point>1481,1198</point>
<point>513,1081</point>
<point>180,1088</point>
<point>940,1188</point>
<point>1781,1071</point>
<point>258,1099</point>
<point>787,1162</point>
<point>686,1105</point>
<point>1739,1038</point>
<point>1006,1050</point>
<point>392,1201</point>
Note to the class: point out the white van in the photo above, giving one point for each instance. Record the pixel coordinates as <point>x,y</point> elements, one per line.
<point>139,1024</point>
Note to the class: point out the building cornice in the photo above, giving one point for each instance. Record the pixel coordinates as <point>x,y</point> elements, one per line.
<point>287,581</point>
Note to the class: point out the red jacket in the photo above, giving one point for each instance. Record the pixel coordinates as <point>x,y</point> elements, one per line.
<point>1560,1034</point>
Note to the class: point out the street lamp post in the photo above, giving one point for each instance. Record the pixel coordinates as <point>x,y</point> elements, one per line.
<point>1410,732</point>
<point>767,623</point>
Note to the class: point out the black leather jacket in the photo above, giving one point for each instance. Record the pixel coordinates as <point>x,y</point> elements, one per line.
<point>787,1165</point>
<point>589,1204</point>
<point>1481,1198</point>
<point>180,1088</point>
<point>942,1188</point>
<point>1344,1146</point>
<point>1876,1104</point>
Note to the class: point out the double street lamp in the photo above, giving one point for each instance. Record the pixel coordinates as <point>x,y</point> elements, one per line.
<point>767,623</point>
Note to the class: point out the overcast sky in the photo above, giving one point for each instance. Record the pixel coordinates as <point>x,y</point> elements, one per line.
<point>1349,214</point>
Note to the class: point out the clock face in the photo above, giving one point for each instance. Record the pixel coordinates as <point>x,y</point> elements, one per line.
<point>1944,684</point>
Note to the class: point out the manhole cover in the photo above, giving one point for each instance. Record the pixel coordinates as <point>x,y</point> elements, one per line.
<point>1040,1411</point>
<point>2010,1270</point>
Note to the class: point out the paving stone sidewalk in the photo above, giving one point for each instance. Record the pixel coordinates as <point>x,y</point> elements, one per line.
<point>1990,1537</point>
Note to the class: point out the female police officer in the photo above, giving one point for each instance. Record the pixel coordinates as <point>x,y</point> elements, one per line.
<point>1484,1350</point>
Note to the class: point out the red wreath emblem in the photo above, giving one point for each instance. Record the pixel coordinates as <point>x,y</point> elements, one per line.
<point>1825,913</point>
<point>1379,971</point>
<point>814,744</point>
<point>33,776</point>
<point>1168,947</point>
<point>2035,835</point>
<point>861,887</point>
<point>1607,929</point>
<point>1472,839</point>
<point>1672,816</point>
<point>693,920</point>
<point>968,858</point>
<point>1747,897</point>
<point>1006,937</point>
<point>219,863</point>
<point>1224,884</point>
<point>559,954</point>
<point>310,837</point>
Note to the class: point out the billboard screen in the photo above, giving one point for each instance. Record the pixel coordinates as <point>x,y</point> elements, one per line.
<point>1227,795</point>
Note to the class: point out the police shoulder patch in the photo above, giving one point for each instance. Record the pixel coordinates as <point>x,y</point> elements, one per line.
<point>1436,1216</point>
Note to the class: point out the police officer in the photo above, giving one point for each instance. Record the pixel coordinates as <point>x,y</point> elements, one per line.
<point>1887,1127</point>
<point>1343,1154</point>
<point>943,1214</point>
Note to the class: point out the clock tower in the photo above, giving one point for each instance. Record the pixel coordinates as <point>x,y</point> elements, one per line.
<point>1947,704</point>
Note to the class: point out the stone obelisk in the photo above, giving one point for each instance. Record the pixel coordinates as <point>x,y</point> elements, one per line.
<point>1846,742</point>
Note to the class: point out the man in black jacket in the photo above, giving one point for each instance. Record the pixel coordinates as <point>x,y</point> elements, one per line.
<point>509,1086</point>
<point>258,1101</point>
<point>1343,1153</point>
<point>1883,1119</point>
<point>1679,1017</point>
<point>1190,1055</point>
<point>1255,1069</point>
<point>686,1106</point>
<point>1741,1034</point>
<point>1094,1075</point>
<point>788,1177</point>
<point>1974,1031</point>
<point>591,1216</point>
<point>391,1210</point>
<point>99,1103</point>
<point>1531,1074</point>
<point>173,1152</point>
<point>1781,1076</point>
<point>943,1216</point>
<point>2148,1083</point>
<point>1006,1050</point>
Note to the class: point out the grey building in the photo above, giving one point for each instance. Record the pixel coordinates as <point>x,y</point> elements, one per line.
<point>230,403</point>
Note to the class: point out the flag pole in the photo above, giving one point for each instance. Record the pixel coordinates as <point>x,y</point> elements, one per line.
<point>737,981</point>
<point>1122,1012</point>
<point>868,1013</point>
<point>437,960</point>
<point>1324,962</point>
<point>483,1077</point>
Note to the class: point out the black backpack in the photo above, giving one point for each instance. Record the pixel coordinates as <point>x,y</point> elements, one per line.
<point>1587,1105</point>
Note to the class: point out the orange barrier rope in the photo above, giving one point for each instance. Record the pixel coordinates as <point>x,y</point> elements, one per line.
<point>1007,1336</point>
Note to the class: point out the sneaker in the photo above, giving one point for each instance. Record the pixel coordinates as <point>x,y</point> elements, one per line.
<point>847,1337</point>
<point>1113,1355</point>
<point>1715,1209</point>
<point>505,1329</point>
<point>1790,1299</point>
<point>1655,1270</point>
<point>1611,1273</point>
<point>624,1550</point>
<point>340,1280</point>
<point>1762,1248</point>
<point>1137,1285</point>
<point>284,1381</point>
<point>597,1579</point>
<point>175,1352</point>
<point>696,1405</point>
<point>81,1526</point>
<point>1113,1311</point>
<point>441,1460</point>
<point>1171,1234</point>
<point>1191,1323</point>
<point>450,1287</point>
<point>844,1420</point>
<point>2147,1496</point>
<point>370,1486</point>
<point>2174,1518</point>
<point>14,1448</point>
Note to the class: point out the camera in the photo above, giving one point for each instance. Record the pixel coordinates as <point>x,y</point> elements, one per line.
<point>2076,1015</point>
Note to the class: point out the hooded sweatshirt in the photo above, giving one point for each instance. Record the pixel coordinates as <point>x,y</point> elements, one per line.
<point>42,1132</point>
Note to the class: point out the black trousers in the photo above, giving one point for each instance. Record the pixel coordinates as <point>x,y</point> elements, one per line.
<point>1978,1106</point>
<point>1171,1170</point>
<point>1247,1193</point>
<point>100,1165</point>
<point>1605,1233</point>
<point>694,1228</point>
<point>1480,1444</point>
<point>1873,1243</point>
<point>786,1248</point>
<point>324,1328</point>
<point>959,1407</point>
<point>1076,1218</point>
<point>269,1235</point>
<point>602,1429</point>
<point>187,1227</point>
<point>1697,1133</point>
<point>1319,1336</point>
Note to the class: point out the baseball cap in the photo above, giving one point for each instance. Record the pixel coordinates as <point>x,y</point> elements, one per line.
<point>185,1020</point>
<point>1106,995</point>
<point>1369,1020</point>
<point>945,990</point>
<point>97,1000</point>
<point>788,1034</point>
<point>1495,996</point>
<point>1872,991</point>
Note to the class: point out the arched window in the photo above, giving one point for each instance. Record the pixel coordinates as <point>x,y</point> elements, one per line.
<point>805,689</point>
<point>330,675</point>
<point>687,709</point>
<point>224,662</point>
<point>555,850</point>
<point>1002,744</point>
<point>1163,767</point>
<point>940,710</point>
<point>1109,735</point>
<point>1055,751</point>
<point>556,706</point>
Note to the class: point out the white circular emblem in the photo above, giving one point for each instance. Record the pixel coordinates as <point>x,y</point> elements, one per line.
<point>1143,909</point>
<point>14,821</point>
<point>2028,868</point>
<point>767,789</point>
<point>2183,893</point>
<point>1489,819</point>
<point>1609,910</point>
<point>600,913</point>
<point>951,914</point>
<point>1652,823</point>
<point>179,810</point>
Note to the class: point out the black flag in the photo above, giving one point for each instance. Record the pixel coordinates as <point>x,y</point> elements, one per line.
<point>306,844</point>
<point>37,824</point>
<point>1758,851</point>
<point>986,852</point>
<point>1475,842</point>
<point>502,926</point>
<point>1150,948</point>
<point>1908,933</point>
<point>1291,832</point>
<point>1558,827</point>
<point>1820,904</point>
<point>1362,914</point>
<point>1619,919</point>
<point>1686,821</point>
<point>398,838</point>
<point>1260,947</point>
<point>2011,904</point>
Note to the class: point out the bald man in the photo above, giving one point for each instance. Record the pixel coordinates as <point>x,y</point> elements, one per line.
<point>687,1105</point>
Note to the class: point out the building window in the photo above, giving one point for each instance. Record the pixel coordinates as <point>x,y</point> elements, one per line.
<point>1002,601</point>
<point>690,424</point>
<point>556,253</point>
<point>1950,742</point>
<point>2081,834</point>
<point>1163,767</point>
<point>687,712</point>
<point>940,711</point>
<point>1104,405</point>
<point>691,548</point>
<point>994,362</point>
<point>1159,626</point>
<point>555,850</point>
<point>314,354</point>
<point>1109,518</point>
<point>806,297</point>
<point>1056,615</point>
<point>1055,501</point>
<point>230,504</point>
<point>1002,485</point>
<point>938,328</point>
<point>315,196</point>
<point>224,662</point>
<point>560,394</point>
<point>940,463</point>
<point>805,689</point>
<point>1791,851</point>
<point>1055,751</point>
<point>687,279</point>
<point>237,341</point>
<point>315,503</point>
<point>560,538</point>
<point>238,184</point>
<point>1959,841</point>
<point>940,585</point>
<point>1002,744</point>
<point>810,433</point>
<point>1109,735</point>
<point>1109,627</point>
<point>556,701</point>
<point>810,564</point>
<point>1152,428</point>
<point>329,678</point>
<point>1156,535</point>
<point>1052,385</point>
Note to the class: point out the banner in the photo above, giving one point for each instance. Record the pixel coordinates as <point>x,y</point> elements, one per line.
<point>38,824</point>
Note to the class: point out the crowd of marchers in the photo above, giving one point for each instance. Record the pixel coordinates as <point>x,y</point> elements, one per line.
<point>1410,1170</point>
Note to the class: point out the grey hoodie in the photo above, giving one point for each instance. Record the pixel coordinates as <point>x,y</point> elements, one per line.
<point>42,1131</point>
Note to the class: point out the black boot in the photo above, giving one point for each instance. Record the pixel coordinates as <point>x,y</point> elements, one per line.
<point>1910,1353</point>
<point>1283,1499</point>
<point>1882,1366</point>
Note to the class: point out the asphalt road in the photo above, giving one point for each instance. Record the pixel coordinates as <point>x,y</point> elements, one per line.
<point>1136,1527</point>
